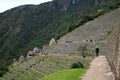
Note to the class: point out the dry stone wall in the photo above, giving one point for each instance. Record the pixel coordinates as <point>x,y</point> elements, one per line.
<point>113,51</point>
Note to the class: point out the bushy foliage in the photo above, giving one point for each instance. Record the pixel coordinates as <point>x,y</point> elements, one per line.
<point>3,71</point>
<point>115,5</point>
<point>95,15</point>
<point>109,33</point>
<point>77,65</point>
<point>57,36</point>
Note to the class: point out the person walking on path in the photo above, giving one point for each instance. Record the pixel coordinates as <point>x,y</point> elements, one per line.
<point>97,51</point>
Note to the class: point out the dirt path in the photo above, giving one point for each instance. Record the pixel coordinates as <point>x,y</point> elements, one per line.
<point>99,70</point>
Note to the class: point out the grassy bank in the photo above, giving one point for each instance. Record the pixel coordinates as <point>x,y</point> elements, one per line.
<point>71,74</point>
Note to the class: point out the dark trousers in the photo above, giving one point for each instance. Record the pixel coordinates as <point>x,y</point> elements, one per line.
<point>97,54</point>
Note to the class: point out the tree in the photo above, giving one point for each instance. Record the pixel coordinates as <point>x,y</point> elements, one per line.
<point>83,50</point>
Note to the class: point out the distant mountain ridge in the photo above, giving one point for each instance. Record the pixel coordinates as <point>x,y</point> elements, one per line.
<point>25,27</point>
<point>65,53</point>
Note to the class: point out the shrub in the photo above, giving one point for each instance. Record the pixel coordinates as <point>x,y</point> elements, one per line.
<point>114,6</point>
<point>60,35</point>
<point>77,24</point>
<point>77,65</point>
<point>97,14</point>
<point>109,33</point>
<point>83,49</point>
<point>72,27</point>
<point>3,71</point>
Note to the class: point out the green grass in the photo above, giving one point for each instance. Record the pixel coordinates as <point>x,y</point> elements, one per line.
<point>45,66</point>
<point>71,74</point>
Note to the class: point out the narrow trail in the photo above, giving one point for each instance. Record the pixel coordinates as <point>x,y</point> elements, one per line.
<point>99,70</point>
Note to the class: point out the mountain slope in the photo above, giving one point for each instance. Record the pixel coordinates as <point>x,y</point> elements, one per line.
<point>40,66</point>
<point>92,34</point>
<point>25,27</point>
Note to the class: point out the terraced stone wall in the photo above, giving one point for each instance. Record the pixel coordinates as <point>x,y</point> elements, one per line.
<point>113,51</point>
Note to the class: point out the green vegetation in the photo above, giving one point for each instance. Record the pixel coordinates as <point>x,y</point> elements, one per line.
<point>83,50</point>
<point>109,33</point>
<point>25,27</point>
<point>3,71</point>
<point>41,66</point>
<point>115,5</point>
<point>77,65</point>
<point>71,74</point>
<point>81,22</point>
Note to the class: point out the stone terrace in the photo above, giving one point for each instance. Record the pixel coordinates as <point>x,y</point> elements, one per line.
<point>93,33</point>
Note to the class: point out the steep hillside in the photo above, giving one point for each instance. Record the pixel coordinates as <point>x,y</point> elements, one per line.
<point>25,27</point>
<point>93,34</point>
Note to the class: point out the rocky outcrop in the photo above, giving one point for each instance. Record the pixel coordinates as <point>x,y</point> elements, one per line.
<point>52,41</point>
<point>22,58</point>
<point>36,51</point>
<point>30,53</point>
<point>113,51</point>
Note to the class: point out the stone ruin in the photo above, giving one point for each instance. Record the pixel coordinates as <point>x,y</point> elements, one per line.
<point>43,52</point>
<point>52,41</point>
<point>36,51</point>
<point>90,41</point>
<point>22,58</point>
<point>30,53</point>
<point>113,52</point>
<point>44,47</point>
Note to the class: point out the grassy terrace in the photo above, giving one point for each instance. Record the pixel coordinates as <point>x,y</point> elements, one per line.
<point>41,67</point>
<point>71,74</point>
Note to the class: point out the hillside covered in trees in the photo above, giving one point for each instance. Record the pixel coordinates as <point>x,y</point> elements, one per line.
<point>25,27</point>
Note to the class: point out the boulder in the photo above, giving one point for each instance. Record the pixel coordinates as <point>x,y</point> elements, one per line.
<point>22,58</point>
<point>30,53</point>
<point>45,47</point>
<point>36,51</point>
<point>52,41</point>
